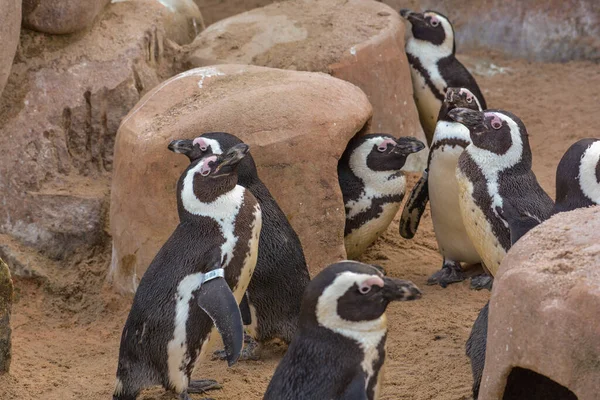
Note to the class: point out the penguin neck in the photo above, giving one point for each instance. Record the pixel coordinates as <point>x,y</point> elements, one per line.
<point>429,53</point>
<point>589,172</point>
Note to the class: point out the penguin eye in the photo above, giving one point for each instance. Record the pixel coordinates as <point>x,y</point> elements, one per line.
<point>382,147</point>
<point>364,289</point>
<point>469,99</point>
<point>203,148</point>
<point>205,172</point>
<point>496,123</point>
<point>434,22</point>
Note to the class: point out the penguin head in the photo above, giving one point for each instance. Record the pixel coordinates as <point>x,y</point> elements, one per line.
<point>349,295</point>
<point>207,178</point>
<point>498,132</point>
<point>379,153</point>
<point>431,27</point>
<point>458,98</point>
<point>212,143</point>
<point>578,176</point>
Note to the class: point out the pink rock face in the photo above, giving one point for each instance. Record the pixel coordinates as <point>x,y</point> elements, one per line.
<point>10,26</point>
<point>545,309</point>
<point>359,41</point>
<point>61,16</point>
<point>296,123</point>
<point>60,112</point>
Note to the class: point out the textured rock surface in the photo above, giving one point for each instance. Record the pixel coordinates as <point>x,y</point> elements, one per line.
<point>59,115</point>
<point>552,30</point>
<point>296,123</point>
<point>545,307</point>
<point>6,296</point>
<point>216,10</point>
<point>61,16</point>
<point>356,40</point>
<point>10,26</point>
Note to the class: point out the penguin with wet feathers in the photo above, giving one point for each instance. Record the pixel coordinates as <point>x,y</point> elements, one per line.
<point>272,304</point>
<point>194,283</point>
<point>439,187</point>
<point>431,52</point>
<point>339,351</point>
<point>373,186</point>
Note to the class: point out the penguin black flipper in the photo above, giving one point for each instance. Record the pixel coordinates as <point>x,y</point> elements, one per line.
<point>476,347</point>
<point>216,299</point>
<point>414,208</point>
<point>356,390</point>
<point>245,310</point>
<point>456,75</point>
<point>518,223</point>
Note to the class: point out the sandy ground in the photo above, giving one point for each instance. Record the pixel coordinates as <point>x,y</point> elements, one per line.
<point>66,331</point>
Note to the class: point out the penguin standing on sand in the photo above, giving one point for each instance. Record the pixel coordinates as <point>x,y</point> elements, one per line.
<point>438,185</point>
<point>339,350</point>
<point>195,281</point>
<point>372,185</point>
<point>431,53</point>
<point>272,304</point>
<point>494,169</point>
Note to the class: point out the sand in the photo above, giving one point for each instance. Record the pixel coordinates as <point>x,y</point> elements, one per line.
<point>66,329</point>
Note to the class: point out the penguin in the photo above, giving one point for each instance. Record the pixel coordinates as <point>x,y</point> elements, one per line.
<point>431,53</point>
<point>339,350</point>
<point>271,306</point>
<point>195,281</point>
<point>493,169</point>
<point>476,347</point>
<point>438,185</point>
<point>373,185</point>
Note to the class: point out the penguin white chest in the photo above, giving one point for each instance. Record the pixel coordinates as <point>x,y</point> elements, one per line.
<point>427,103</point>
<point>453,241</point>
<point>251,256</point>
<point>478,228</point>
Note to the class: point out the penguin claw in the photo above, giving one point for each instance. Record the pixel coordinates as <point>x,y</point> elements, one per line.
<point>482,281</point>
<point>250,351</point>
<point>450,273</point>
<point>203,385</point>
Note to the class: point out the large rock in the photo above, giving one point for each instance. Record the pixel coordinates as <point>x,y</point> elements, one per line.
<point>10,27</point>
<point>60,16</point>
<point>551,30</point>
<point>59,115</point>
<point>544,321</point>
<point>6,297</point>
<point>216,10</point>
<point>356,40</point>
<point>296,123</point>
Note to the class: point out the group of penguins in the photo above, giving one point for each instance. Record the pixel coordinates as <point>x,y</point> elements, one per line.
<point>235,264</point>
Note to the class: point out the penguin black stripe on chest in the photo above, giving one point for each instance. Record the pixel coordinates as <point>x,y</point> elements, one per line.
<point>431,53</point>
<point>274,294</point>
<point>372,185</point>
<point>339,350</point>
<point>194,283</point>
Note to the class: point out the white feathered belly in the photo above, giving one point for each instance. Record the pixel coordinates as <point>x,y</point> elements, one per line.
<point>478,228</point>
<point>427,104</point>
<point>360,239</point>
<point>453,241</point>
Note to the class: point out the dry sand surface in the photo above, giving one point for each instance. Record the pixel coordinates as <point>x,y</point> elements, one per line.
<point>66,331</point>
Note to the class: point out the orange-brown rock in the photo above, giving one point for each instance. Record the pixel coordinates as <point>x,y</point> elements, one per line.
<point>296,123</point>
<point>360,41</point>
<point>6,297</point>
<point>61,16</point>
<point>59,115</point>
<point>216,10</point>
<point>10,26</point>
<point>544,320</point>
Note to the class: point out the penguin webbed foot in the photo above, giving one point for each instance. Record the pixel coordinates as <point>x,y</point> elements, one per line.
<point>482,281</point>
<point>250,352</point>
<point>451,272</point>
<point>203,385</point>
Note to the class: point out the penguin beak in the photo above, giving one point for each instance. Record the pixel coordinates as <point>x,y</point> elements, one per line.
<point>407,145</point>
<point>181,146</point>
<point>400,290</point>
<point>411,15</point>
<point>474,120</point>
<point>226,163</point>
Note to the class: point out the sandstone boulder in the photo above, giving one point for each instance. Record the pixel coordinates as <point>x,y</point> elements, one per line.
<point>552,30</point>
<point>296,123</point>
<point>59,114</point>
<point>10,27</point>
<point>6,297</point>
<point>61,16</point>
<point>216,10</point>
<point>359,41</point>
<point>544,319</point>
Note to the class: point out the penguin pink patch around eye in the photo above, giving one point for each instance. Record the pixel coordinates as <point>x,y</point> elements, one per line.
<point>200,142</point>
<point>374,281</point>
<point>383,145</point>
<point>205,168</point>
<point>496,121</point>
